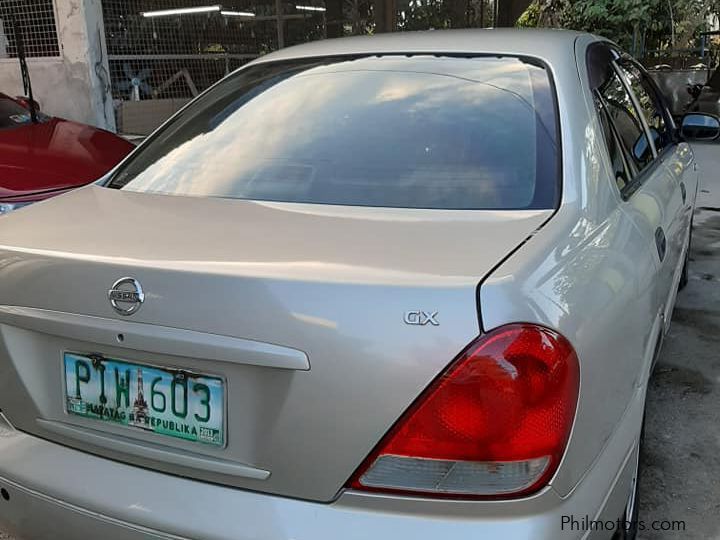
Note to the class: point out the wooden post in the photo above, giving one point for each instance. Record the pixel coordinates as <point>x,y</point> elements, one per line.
<point>458,16</point>
<point>334,18</point>
<point>280,24</point>
<point>385,15</point>
<point>509,11</point>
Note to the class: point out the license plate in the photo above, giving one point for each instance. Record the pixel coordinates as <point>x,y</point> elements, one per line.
<point>169,402</point>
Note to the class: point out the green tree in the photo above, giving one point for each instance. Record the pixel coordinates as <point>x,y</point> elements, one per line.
<point>637,25</point>
<point>438,14</point>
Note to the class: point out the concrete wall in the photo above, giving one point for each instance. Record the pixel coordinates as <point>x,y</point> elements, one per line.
<point>74,85</point>
<point>674,85</point>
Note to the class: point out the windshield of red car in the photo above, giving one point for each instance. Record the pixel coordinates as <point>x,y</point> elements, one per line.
<point>12,114</point>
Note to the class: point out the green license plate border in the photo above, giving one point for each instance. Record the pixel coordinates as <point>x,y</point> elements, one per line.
<point>133,429</point>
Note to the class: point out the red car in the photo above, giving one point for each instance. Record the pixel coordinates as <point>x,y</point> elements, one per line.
<point>43,159</point>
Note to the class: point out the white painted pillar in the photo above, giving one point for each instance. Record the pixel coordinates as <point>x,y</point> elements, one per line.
<point>82,45</point>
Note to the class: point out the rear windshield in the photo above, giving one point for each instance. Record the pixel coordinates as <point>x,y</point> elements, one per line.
<point>409,131</point>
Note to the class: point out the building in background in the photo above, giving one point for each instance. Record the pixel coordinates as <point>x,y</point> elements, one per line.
<point>162,53</point>
<point>127,65</point>
<point>64,44</point>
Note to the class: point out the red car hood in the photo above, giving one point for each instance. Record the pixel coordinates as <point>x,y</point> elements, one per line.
<point>55,155</point>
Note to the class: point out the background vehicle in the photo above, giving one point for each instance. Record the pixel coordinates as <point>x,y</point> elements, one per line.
<point>406,286</point>
<point>40,160</point>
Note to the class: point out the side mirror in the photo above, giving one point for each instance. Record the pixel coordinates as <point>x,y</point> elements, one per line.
<point>641,148</point>
<point>700,127</point>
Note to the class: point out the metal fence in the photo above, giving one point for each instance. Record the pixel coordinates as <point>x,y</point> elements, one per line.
<point>161,49</point>
<point>706,54</point>
<point>167,51</point>
<point>170,50</point>
<point>170,56</point>
<point>681,58</point>
<point>36,18</point>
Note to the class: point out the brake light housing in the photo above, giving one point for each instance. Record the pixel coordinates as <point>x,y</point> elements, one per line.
<point>494,424</point>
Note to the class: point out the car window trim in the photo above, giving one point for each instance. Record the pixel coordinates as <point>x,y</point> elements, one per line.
<point>657,97</point>
<point>660,103</point>
<point>641,176</point>
<point>632,187</point>
<point>630,170</point>
<point>637,177</point>
<point>600,108</point>
<point>636,103</point>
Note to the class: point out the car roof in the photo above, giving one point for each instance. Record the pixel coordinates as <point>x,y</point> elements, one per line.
<point>552,45</point>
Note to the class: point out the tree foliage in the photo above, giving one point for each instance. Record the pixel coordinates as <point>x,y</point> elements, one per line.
<point>438,14</point>
<point>637,25</point>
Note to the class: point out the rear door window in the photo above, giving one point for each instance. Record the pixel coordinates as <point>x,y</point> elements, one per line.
<point>626,119</point>
<point>650,104</point>
<point>622,123</point>
<point>410,131</point>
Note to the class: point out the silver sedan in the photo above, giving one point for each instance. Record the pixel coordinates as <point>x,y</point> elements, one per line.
<point>406,286</point>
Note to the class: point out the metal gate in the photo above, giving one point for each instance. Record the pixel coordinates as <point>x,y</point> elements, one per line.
<point>161,53</point>
<point>37,21</point>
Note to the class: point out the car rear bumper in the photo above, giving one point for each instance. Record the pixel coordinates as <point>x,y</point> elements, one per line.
<point>60,493</point>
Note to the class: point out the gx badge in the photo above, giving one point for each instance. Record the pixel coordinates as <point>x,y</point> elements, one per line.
<point>421,318</point>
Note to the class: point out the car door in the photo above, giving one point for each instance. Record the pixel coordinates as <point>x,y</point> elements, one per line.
<point>676,180</point>
<point>650,193</point>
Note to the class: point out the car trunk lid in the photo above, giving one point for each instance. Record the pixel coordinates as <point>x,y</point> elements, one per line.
<point>302,311</point>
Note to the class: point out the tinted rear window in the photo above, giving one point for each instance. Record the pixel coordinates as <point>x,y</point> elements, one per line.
<point>395,131</point>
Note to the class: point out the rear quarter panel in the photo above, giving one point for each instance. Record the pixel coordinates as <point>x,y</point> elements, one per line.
<point>589,274</point>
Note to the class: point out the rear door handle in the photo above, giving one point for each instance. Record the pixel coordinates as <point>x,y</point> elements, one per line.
<point>660,242</point>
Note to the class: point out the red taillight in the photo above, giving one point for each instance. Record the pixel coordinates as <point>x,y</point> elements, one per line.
<point>495,424</point>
